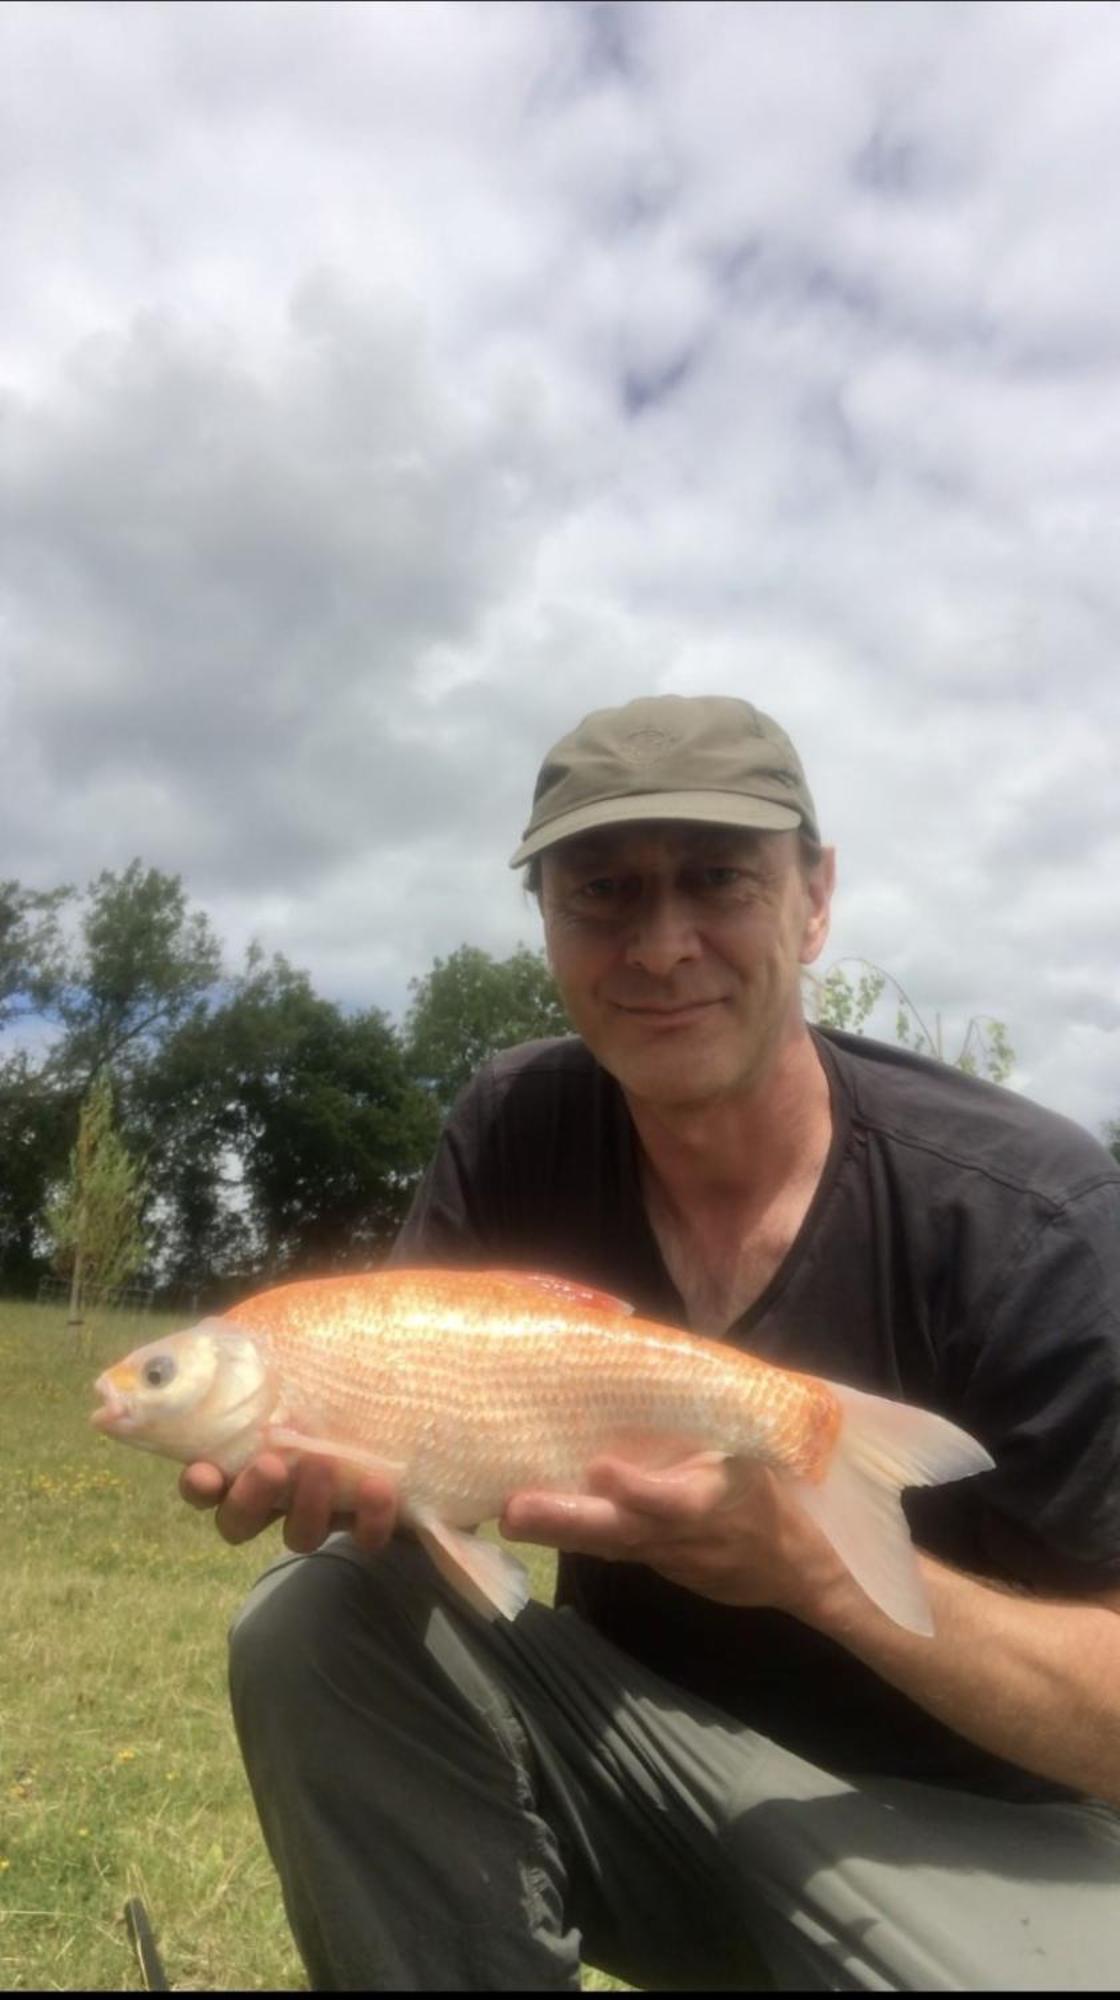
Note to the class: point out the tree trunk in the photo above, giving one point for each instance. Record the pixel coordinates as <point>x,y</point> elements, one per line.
<point>75,1318</point>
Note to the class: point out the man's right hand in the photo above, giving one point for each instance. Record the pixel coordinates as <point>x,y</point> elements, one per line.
<point>303,1497</point>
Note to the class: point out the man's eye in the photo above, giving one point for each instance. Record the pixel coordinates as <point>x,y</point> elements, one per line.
<point>599,889</point>
<point>720,876</point>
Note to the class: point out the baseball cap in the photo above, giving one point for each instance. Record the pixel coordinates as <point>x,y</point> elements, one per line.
<point>709,758</point>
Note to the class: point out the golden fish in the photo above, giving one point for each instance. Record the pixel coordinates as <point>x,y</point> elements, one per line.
<point>468,1386</point>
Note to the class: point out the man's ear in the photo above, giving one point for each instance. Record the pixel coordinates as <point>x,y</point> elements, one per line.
<point>820,885</point>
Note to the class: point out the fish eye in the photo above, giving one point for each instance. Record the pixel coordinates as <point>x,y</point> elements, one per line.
<point>159,1371</point>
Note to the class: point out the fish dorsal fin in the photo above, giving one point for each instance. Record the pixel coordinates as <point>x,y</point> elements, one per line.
<point>566,1291</point>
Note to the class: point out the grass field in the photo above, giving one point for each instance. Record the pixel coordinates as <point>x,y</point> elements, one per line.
<point>119,1770</point>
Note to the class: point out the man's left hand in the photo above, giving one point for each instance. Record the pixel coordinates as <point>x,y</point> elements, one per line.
<point>726,1531</point>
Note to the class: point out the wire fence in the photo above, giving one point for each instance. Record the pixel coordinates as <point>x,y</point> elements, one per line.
<point>134,1298</point>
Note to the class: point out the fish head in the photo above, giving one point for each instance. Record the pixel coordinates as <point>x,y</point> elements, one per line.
<point>200,1394</point>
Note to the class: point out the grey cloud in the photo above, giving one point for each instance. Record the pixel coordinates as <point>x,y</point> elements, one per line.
<point>303,571</point>
<point>227,583</point>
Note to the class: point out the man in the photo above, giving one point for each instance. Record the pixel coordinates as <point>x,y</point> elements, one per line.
<point>720,1765</point>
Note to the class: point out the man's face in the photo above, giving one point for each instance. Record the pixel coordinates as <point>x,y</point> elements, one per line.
<point>678,949</point>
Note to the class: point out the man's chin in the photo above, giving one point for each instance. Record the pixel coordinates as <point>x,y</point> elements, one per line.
<point>674,1081</point>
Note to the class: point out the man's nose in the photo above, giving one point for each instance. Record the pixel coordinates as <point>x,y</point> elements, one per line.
<point>661,934</point>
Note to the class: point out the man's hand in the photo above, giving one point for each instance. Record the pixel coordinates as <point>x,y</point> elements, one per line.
<point>266,1490</point>
<point>728,1532</point>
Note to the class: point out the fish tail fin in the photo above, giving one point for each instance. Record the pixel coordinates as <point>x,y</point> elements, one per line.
<point>881,1448</point>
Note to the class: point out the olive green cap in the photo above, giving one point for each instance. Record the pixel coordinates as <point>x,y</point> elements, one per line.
<point>708,758</point>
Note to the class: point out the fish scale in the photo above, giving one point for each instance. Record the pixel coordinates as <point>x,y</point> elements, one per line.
<point>479,1358</point>
<point>469,1386</point>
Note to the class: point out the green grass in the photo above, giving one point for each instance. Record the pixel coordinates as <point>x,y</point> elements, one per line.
<point>119,1770</point>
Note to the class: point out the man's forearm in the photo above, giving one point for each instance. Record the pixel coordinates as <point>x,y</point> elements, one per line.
<point>1034,1680</point>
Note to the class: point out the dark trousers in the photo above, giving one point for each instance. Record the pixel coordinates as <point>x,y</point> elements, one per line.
<point>460,1807</point>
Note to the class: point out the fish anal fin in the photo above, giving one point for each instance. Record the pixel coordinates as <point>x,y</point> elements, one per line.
<point>487,1577</point>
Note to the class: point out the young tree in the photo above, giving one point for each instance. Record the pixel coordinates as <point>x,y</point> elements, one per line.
<point>471,1005</point>
<point>95,1220</point>
<point>838,1001</point>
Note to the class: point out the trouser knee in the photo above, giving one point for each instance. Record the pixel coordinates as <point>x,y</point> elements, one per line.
<point>307,1622</point>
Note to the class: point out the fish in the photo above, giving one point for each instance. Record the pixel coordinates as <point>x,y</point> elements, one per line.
<point>466,1386</point>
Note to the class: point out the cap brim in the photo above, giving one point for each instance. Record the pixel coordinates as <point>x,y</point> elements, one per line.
<point>704,808</point>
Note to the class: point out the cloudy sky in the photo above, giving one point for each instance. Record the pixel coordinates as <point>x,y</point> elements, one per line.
<point>384,386</point>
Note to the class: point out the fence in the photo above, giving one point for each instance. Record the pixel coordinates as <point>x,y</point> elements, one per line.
<point>124,1298</point>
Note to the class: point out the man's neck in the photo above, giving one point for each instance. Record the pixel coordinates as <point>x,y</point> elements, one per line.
<point>738,1152</point>
<point>728,1185</point>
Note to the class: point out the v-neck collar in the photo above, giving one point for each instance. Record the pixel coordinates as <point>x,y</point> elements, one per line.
<point>643,1236</point>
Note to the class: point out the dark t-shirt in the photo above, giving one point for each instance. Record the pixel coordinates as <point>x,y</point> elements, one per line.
<point>962,1252</point>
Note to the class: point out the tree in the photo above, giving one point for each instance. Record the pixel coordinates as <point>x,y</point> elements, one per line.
<point>36,1130</point>
<point>298,1134</point>
<point>838,1002</point>
<point>1112,1138</point>
<point>471,1005</point>
<point>30,947</point>
<point>95,1220</point>
<point>144,962</point>
<point>111,994</point>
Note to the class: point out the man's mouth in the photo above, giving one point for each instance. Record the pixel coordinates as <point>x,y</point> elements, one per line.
<point>680,1011</point>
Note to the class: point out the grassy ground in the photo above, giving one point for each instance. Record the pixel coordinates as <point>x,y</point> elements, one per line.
<point>119,1771</point>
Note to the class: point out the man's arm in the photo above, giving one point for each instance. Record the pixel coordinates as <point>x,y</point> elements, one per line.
<point>1036,1681</point>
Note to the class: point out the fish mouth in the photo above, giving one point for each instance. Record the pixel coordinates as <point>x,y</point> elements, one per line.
<point>114,1413</point>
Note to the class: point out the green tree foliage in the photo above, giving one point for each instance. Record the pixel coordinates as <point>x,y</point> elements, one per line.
<point>1112,1138</point>
<point>95,1219</point>
<point>471,1005</point>
<point>143,963</point>
<point>30,947</point>
<point>133,966</point>
<point>839,1001</point>
<point>36,1131</point>
<point>299,1136</point>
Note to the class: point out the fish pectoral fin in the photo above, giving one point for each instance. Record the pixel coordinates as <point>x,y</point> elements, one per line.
<point>280,1437</point>
<point>490,1579</point>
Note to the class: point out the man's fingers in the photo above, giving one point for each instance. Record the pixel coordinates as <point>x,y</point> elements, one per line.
<point>202,1485</point>
<point>573,1523</point>
<point>258,1495</point>
<point>375,1514</point>
<point>304,1498</point>
<point>308,1520</point>
<point>683,1494</point>
<point>628,1509</point>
